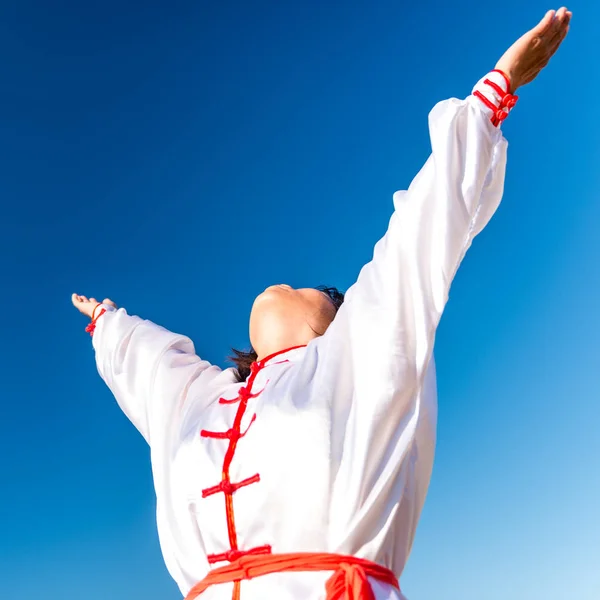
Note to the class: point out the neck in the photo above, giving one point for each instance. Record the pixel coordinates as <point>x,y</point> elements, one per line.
<point>282,351</point>
<point>274,341</point>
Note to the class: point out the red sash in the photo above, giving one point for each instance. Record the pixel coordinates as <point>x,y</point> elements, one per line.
<point>348,582</point>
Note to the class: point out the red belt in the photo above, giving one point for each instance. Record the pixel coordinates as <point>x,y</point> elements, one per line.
<point>348,582</point>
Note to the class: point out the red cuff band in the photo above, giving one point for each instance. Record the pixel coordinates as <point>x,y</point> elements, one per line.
<point>95,309</point>
<point>508,86</point>
<point>506,103</point>
<point>92,326</point>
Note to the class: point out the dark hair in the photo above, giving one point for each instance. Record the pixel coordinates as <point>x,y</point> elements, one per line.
<point>243,360</point>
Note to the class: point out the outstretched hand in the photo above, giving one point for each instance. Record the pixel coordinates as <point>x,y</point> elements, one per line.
<point>523,61</point>
<point>86,305</point>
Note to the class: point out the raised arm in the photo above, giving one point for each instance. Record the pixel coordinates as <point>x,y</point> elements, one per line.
<point>385,329</point>
<point>149,369</point>
<point>376,353</point>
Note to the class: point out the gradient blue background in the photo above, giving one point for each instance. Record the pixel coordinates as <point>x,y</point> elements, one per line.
<point>180,156</point>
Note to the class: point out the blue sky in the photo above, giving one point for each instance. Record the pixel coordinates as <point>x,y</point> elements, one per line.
<point>180,156</point>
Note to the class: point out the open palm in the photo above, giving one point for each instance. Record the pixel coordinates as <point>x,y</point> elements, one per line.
<point>87,305</point>
<point>523,61</point>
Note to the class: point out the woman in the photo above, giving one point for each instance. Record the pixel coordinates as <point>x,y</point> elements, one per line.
<point>306,478</point>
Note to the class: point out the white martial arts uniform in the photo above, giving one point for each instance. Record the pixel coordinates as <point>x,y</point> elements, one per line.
<point>338,437</point>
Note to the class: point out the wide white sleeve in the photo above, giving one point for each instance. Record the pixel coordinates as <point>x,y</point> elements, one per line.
<point>149,369</point>
<point>374,357</point>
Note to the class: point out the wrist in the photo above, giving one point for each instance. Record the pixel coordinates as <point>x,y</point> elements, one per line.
<point>93,315</point>
<point>509,76</point>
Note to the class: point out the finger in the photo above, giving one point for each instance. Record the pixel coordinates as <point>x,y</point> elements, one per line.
<point>557,25</point>
<point>560,19</point>
<point>557,40</point>
<point>75,299</point>
<point>83,299</point>
<point>94,301</point>
<point>561,12</point>
<point>563,33</point>
<point>545,24</point>
<point>562,23</point>
<point>553,42</point>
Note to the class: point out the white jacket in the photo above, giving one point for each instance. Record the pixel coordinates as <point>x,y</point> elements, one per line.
<point>338,440</point>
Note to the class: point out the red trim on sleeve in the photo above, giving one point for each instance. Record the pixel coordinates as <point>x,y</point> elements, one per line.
<point>507,100</point>
<point>485,100</point>
<point>92,326</point>
<point>506,78</point>
<point>95,309</point>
